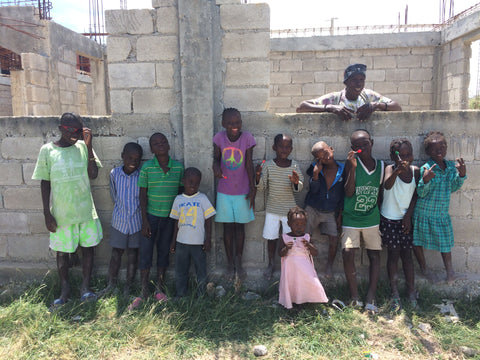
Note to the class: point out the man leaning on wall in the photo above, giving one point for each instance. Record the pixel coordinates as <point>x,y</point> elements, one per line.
<point>353,102</point>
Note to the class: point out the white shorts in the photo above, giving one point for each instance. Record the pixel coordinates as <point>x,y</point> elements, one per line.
<point>272,226</point>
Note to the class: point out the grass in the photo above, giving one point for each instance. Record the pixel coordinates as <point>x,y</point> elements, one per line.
<point>227,327</point>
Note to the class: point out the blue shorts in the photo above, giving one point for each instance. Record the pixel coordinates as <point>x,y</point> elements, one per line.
<point>233,209</point>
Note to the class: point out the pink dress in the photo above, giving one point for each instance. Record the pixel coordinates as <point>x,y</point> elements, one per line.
<point>299,282</point>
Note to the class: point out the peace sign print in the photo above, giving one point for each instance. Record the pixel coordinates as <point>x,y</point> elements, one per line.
<point>232,158</point>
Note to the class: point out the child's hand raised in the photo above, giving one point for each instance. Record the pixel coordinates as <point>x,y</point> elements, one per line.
<point>461,168</point>
<point>428,174</point>
<point>294,178</point>
<point>317,169</point>
<point>87,136</point>
<point>352,159</point>
<point>402,167</point>
<point>258,172</point>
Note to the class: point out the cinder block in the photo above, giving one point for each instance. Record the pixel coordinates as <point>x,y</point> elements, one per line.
<point>36,77</point>
<point>247,73</point>
<point>3,247</point>
<point>411,61</point>
<point>167,20</point>
<point>45,110</point>
<point>164,73</point>
<point>289,90</point>
<point>326,76</point>
<point>227,2</point>
<point>251,99</point>
<point>473,174</point>
<point>280,78</point>
<point>313,90</point>
<point>281,55</point>
<point>133,22</point>
<point>259,149</point>
<point>410,87</point>
<point>421,74</point>
<point>36,223</point>
<point>103,200</point>
<point>249,17</point>
<point>27,169</point>
<point>110,148</point>
<point>254,250</point>
<point>465,230</point>
<point>153,101</point>
<point>304,55</point>
<point>29,248</point>
<point>121,101</point>
<point>291,65</point>
<point>118,48</point>
<point>247,45</point>
<point>67,97</point>
<point>37,94</point>
<point>22,198</point>
<point>459,259</point>
<point>421,99</point>
<point>161,3</point>
<point>67,70</point>
<point>280,102</point>
<point>26,149</point>
<point>397,75</point>
<point>153,48</point>
<point>103,178</point>
<point>376,75</point>
<point>10,174</point>
<point>31,61</point>
<point>475,195</point>
<point>302,148</point>
<point>461,146</point>
<point>384,62</point>
<point>14,223</point>
<point>461,203</point>
<point>304,77</point>
<point>131,75</point>
<point>315,65</point>
<point>473,259</point>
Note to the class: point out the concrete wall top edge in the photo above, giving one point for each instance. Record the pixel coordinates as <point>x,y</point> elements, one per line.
<point>362,41</point>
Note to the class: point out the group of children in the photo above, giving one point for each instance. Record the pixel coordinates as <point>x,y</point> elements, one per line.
<point>159,206</point>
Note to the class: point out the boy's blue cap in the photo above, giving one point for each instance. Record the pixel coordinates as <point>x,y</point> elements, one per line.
<point>354,70</point>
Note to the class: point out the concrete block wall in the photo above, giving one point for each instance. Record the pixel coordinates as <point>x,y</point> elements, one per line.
<point>24,239</point>
<point>245,50</point>
<point>5,97</point>
<point>142,52</point>
<point>403,74</point>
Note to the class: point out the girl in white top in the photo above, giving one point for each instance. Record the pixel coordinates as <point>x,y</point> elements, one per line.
<point>399,198</point>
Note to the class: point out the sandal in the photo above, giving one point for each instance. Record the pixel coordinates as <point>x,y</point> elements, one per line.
<point>356,304</point>
<point>56,304</point>
<point>396,305</point>
<point>371,308</point>
<point>338,304</point>
<point>88,297</point>
<point>135,303</point>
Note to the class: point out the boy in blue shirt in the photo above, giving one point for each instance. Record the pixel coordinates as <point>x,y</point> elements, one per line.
<point>324,200</point>
<point>126,216</point>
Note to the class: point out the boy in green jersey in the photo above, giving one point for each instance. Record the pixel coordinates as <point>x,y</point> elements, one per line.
<point>361,216</point>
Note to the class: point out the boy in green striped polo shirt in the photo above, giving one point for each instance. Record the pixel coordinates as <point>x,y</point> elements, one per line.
<point>159,182</point>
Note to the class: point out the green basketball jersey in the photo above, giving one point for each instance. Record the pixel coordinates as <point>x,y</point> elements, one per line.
<point>361,210</point>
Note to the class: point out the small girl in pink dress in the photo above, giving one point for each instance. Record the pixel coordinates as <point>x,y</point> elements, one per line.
<point>299,282</point>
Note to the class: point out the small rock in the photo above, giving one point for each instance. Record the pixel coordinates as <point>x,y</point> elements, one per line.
<point>211,289</point>
<point>249,295</point>
<point>426,328</point>
<point>260,350</point>
<point>220,291</point>
<point>468,351</point>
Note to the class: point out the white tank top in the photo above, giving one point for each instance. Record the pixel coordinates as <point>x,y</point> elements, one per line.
<point>397,199</point>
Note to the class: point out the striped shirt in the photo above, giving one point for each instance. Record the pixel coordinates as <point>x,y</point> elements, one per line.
<point>126,216</point>
<point>161,188</point>
<point>279,189</point>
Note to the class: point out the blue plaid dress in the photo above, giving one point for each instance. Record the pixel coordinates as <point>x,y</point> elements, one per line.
<point>432,227</point>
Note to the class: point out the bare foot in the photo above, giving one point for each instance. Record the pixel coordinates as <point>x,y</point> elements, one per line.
<point>268,273</point>
<point>430,276</point>
<point>454,277</point>
<point>328,272</point>
<point>229,273</point>
<point>241,273</point>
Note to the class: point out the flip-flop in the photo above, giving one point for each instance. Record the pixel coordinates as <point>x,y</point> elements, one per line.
<point>56,304</point>
<point>371,308</point>
<point>88,297</point>
<point>338,304</point>
<point>160,296</point>
<point>135,303</point>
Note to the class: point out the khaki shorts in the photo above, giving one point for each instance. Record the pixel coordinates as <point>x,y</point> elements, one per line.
<point>372,239</point>
<point>326,220</point>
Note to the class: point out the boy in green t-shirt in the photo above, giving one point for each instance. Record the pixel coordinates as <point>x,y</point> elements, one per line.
<point>65,168</point>
<point>159,182</point>
<point>361,215</point>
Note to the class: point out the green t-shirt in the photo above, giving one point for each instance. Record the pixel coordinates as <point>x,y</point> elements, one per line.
<point>66,169</point>
<point>161,188</point>
<point>361,210</point>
